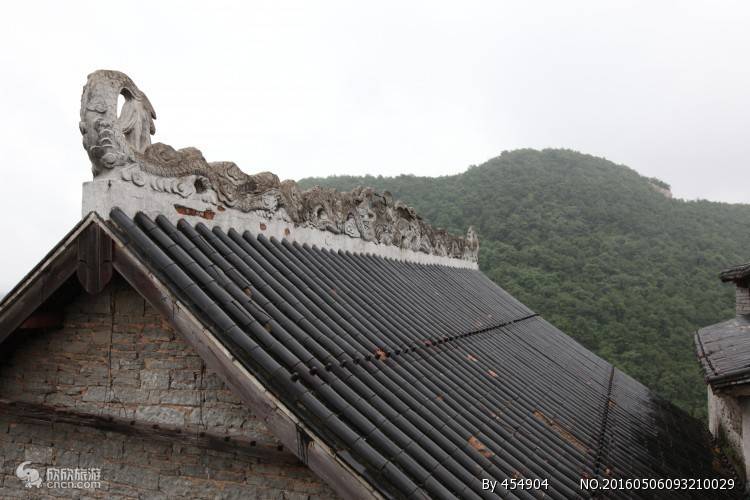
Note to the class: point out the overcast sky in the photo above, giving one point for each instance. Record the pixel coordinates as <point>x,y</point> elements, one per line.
<point>319,88</point>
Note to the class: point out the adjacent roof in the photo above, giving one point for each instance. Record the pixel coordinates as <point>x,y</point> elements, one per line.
<point>423,379</point>
<point>735,273</point>
<point>724,351</point>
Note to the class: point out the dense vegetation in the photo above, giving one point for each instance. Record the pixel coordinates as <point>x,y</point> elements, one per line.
<point>593,247</point>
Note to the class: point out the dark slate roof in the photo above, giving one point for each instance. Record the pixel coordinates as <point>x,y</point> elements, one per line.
<point>724,351</point>
<point>735,273</point>
<point>421,376</point>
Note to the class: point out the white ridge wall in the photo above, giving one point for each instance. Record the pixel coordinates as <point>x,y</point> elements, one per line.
<point>102,195</point>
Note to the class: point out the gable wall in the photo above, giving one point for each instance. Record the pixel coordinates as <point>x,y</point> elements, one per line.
<point>115,356</point>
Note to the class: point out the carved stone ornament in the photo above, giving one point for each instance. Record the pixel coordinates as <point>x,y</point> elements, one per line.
<point>120,147</point>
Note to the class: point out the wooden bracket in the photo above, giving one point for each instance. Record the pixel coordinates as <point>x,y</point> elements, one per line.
<point>94,259</point>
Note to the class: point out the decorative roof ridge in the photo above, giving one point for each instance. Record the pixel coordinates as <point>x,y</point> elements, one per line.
<point>120,149</point>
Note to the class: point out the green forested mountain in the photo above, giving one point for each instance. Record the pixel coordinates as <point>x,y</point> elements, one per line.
<point>593,247</point>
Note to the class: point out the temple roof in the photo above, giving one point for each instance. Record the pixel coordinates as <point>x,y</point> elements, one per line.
<point>413,380</point>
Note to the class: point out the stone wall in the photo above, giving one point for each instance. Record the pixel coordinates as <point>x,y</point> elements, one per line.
<point>725,418</point>
<point>141,468</point>
<point>742,299</point>
<point>116,357</point>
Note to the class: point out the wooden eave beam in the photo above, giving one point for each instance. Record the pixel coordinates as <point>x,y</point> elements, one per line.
<point>37,290</point>
<point>34,413</point>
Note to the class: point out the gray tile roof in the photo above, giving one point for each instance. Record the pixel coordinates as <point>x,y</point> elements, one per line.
<point>424,378</point>
<point>724,351</point>
<point>735,273</point>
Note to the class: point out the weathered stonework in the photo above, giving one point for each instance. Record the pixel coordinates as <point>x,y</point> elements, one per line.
<point>725,416</point>
<point>120,149</point>
<point>742,298</point>
<point>137,468</point>
<point>116,357</point>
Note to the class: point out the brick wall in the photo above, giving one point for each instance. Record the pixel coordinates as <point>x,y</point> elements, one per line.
<point>115,356</point>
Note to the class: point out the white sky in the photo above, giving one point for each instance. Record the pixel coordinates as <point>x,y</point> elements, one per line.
<point>319,88</point>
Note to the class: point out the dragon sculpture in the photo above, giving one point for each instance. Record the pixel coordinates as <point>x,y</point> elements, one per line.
<point>119,146</point>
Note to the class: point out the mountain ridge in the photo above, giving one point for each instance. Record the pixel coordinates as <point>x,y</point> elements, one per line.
<point>594,248</point>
